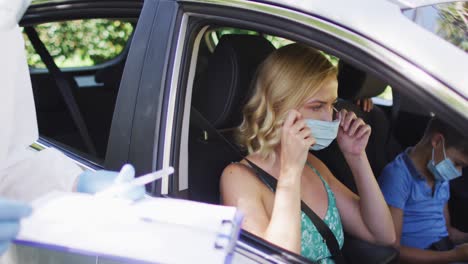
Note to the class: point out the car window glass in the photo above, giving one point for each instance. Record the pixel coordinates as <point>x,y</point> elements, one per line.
<point>91,54</point>
<point>448,21</point>
<point>385,98</point>
<point>80,43</point>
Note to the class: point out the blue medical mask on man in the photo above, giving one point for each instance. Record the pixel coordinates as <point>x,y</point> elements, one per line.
<point>444,170</point>
<point>324,132</point>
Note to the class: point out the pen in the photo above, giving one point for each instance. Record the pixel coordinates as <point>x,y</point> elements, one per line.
<point>121,187</point>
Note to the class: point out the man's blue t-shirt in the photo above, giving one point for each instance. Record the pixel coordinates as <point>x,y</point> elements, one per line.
<point>423,212</point>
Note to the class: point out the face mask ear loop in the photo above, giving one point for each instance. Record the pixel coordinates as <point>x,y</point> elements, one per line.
<point>443,148</point>
<point>336,113</point>
<point>433,161</point>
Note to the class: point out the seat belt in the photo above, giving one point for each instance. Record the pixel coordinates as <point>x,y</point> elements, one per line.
<point>271,182</point>
<point>396,104</point>
<point>322,228</point>
<point>65,84</point>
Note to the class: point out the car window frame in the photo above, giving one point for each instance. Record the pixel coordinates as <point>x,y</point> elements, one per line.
<point>85,9</point>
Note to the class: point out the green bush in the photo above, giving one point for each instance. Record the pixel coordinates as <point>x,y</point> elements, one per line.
<point>453,23</point>
<point>80,43</point>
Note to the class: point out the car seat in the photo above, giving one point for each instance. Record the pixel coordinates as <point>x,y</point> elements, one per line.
<point>218,96</point>
<point>382,148</point>
<point>458,201</point>
<point>216,104</point>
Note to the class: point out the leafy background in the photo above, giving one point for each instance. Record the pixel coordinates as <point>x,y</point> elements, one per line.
<point>453,23</point>
<point>80,43</point>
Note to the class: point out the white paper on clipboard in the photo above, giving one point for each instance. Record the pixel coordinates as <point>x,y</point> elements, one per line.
<point>151,230</point>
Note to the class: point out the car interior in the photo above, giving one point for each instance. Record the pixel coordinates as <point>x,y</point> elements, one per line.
<point>221,89</point>
<point>222,86</point>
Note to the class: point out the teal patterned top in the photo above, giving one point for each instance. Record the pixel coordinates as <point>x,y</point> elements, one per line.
<point>313,245</point>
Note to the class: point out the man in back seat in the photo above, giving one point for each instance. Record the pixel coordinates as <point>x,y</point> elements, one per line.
<point>415,186</point>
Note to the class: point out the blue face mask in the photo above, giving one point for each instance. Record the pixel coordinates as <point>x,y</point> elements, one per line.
<point>324,132</point>
<point>444,170</point>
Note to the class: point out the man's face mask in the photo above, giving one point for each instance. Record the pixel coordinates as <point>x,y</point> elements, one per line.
<point>324,132</point>
<point>444,170</point>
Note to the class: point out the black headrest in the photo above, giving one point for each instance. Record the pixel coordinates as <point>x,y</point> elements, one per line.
<point>222,91</point>
<point>356,84</point>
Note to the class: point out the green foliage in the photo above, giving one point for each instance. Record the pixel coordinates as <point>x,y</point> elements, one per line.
<point>386,94</point>
<point>277,41</point>
<point>453,23</point>
<point>80,43</point>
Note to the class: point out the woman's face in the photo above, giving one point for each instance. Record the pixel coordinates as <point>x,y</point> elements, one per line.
<point>321,105</point>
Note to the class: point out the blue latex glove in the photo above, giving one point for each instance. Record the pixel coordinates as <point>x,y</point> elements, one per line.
<point>96,181</point>
<point>10,214</point>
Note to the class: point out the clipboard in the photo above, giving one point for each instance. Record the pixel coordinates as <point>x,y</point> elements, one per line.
<point>152,230</point>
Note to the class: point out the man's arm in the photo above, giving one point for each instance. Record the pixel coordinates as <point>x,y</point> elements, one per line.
<point>416,255</point>
<point>457,236</point>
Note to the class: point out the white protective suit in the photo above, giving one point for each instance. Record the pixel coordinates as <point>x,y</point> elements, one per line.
<point>25,174</point>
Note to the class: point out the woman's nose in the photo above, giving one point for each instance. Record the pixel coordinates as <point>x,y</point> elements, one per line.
<point>331,113</point>
<point>327,115</point>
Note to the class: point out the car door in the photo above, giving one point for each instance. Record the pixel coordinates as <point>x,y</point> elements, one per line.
<point>143,135</point>
<point>159,132</point>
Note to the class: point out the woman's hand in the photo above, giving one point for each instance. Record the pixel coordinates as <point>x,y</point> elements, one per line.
<point>296,139</point>
<point>353,134</point>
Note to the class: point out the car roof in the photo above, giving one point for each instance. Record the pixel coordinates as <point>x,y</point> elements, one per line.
<point>383,22</point>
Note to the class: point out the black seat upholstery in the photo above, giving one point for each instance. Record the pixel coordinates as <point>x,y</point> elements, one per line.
<point>219,96</point>
<point>382,148</point>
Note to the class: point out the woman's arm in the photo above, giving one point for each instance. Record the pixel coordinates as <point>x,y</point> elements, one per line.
<point>284,226</point>
<point>367,216</point>
<point>241,188</point>
<point>350,207</point>
<point>372,206</point>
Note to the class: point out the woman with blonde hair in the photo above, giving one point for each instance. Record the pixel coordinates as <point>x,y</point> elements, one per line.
<point>291,111</point>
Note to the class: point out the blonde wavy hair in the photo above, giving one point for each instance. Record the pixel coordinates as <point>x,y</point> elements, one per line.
<point>284,81</point>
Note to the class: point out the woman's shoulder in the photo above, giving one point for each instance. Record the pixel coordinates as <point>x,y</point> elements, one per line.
<point>238,172</point>
<point>238,181</point>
